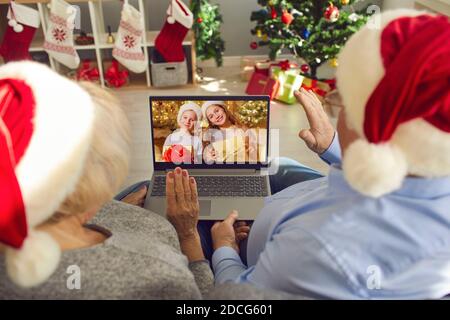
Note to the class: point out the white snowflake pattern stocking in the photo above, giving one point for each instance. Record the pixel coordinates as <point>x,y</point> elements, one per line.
<point>127,48</point>
<point>59,37</point>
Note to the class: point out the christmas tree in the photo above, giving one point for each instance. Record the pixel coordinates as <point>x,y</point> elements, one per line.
<point>313,30</point>
<point>207,21</point>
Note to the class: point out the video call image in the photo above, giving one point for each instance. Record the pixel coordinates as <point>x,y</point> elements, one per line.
<point>210,132</point>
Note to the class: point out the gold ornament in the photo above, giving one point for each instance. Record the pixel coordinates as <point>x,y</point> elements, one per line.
<point>345,2</point>
<point>110,39</point>
<point>265,37</point>
<point>334,62</point>
<point>258,33</point>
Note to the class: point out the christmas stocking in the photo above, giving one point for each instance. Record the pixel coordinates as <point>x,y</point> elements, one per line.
<point>127,48</point>
<point>22,24</point>
<point>59,37</point>
<point>168,43</point>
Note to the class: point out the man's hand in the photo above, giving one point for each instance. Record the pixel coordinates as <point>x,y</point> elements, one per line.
<point>223,234</point>
<point>321,132</point>
<point>241,231</point>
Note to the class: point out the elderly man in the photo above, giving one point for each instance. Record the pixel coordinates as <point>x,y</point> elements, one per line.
<point>379,225</point>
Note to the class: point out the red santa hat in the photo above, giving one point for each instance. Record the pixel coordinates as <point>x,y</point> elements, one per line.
<point>46,122</point>
<point>394,79</point>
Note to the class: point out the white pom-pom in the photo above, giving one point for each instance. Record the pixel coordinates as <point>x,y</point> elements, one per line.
<point>35,262</point>
<point>171,20</point>
<point>374,169</point>
<point>18,28</point>
<point>12,23</point>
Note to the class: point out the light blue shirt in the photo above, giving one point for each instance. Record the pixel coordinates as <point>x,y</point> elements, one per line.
<point>324,238</point>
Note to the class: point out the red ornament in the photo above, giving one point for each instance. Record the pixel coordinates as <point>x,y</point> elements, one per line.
<point>331,13</point>
<point>177,154</point>
<point>287,18</point>
<point>253,45</point>
<point>273,13</point>
<point>304,68</point>
<point>199,20</point>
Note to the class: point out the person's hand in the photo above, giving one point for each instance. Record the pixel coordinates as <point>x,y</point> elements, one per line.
<point>223,234</point>
<point>182,203</point>
<point>321,132</point>
<point>136,198</point>
<point>241,231</point>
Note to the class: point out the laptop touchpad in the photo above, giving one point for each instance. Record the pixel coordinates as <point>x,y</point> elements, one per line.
<point>205,208</point>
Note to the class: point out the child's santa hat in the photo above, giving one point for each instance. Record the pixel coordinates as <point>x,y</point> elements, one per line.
<point>190,106</point>
<point>46,122</point>
<point>208,104</point>
<point>394,79</point>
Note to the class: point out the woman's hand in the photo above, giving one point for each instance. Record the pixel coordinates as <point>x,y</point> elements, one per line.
<point>223,233</point>
<point>136,198</point>
<point>321,132</point>
<point>183,211</point>
<point>182,203</point>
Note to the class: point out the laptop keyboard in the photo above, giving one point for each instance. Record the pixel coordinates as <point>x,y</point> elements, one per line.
<point>220,186</point>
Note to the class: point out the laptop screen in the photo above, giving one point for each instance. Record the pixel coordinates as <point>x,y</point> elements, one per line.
<point>199,131</point>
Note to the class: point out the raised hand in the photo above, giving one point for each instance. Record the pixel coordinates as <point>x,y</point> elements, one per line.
<point>321,132</point>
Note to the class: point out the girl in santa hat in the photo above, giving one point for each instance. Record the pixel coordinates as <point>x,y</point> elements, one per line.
<point>184,145</point>
<point>223,125</point>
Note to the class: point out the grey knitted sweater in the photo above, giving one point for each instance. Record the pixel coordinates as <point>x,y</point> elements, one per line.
<point>140,260</point>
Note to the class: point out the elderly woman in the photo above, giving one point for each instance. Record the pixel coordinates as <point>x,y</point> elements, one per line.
<point>379,225</point>
<point>64,152</point>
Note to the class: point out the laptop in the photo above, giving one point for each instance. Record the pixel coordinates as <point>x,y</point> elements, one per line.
<point>222,141</point>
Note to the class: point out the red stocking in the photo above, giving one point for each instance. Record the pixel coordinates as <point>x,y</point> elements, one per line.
<point>170,38</point>
<point>22,24</point>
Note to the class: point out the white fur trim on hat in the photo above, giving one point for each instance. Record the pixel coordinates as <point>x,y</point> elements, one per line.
<point>374,169</point>
<point>54,159</point>
<point>35,261</point>
<point>208,104</point>
<point>175,13</point>
<point>190,106</point>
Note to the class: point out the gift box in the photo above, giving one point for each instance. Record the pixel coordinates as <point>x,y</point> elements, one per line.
<point>260,84</point>
<point>284,65</point>
<point>230,150</point>
<point>248,67</point>
<point>320,87</point>
<point>177,153</point>
<point>289,81</point>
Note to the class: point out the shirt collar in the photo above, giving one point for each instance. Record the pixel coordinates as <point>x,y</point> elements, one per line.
<point>412,187</point>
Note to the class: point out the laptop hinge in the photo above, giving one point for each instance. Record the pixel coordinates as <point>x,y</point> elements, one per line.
<point>215,171</point>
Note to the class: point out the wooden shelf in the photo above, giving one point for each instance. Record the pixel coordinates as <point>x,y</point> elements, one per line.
<point>100,37</point>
